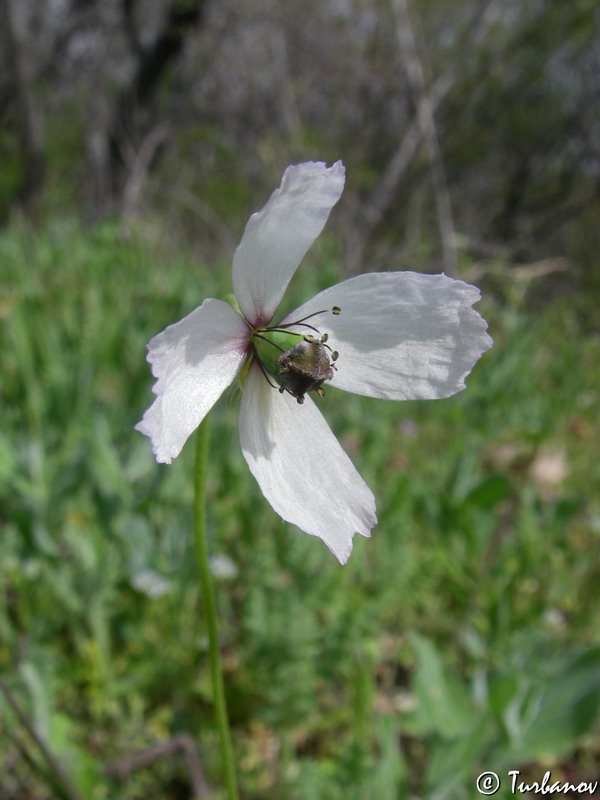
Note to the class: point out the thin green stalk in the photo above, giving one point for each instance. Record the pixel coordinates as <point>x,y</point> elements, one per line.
<point>210,609</point>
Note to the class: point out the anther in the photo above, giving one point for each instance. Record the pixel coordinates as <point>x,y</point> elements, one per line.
<point>335,355</point>
<point>336,310</point>
<point>320,392</point>
<point>324,338</point>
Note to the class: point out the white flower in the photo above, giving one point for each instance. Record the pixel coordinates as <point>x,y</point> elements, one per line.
<point>400,336</point>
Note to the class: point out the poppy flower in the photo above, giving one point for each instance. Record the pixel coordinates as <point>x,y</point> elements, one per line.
<point>391,335</point>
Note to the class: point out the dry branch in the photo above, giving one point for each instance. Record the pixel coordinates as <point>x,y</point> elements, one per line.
<point>184,743</point>
<point>31,122</point>
<point>371,212</point>
<point>64,780</point>
<point>427,129</point>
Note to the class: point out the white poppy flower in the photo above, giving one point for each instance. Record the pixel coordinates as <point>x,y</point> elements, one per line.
<point>399,336</point>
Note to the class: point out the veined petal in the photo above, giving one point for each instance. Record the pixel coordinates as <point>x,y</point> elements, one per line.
<point>194,360</point>
<point>301,468</point>
<point>277,237</point>
<point>401,335</point>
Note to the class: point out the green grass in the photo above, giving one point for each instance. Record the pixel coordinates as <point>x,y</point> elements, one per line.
<point>462,637</point>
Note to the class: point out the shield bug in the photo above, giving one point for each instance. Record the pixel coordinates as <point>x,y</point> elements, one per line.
<point>304,367</point>
<point>300,363</point>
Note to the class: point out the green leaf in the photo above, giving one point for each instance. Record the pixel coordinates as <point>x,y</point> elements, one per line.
<point>491,491</point>
<point>389,781</point>
<point>453,762</point>
<point>444,706</point>
<point>567,708</point>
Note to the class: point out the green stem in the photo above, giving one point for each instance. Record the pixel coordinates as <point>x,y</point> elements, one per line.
<point>210,610</point>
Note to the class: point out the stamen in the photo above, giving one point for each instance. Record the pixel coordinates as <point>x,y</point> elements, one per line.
<point>264,338</point>
<point>322,340</point>
<point>336,310</point>
<point>262,369</point>
<point>335,355</point>
<point>303,319</point>
<point>283,328</point>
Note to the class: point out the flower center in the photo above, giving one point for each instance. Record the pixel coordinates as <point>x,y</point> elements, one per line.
<point>298,362</point>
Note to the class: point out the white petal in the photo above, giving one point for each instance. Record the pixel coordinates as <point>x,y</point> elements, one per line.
<point>301,467</point>
<point>194,360</point>
<point>401,335</point>
<point>277,237</point>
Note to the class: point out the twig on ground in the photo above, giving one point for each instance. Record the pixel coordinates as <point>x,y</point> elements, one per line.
<point>58,771</point>
<point>184,743</point>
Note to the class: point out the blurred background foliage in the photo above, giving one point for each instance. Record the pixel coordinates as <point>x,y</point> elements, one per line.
<point>137,136</point>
